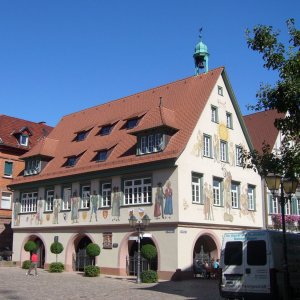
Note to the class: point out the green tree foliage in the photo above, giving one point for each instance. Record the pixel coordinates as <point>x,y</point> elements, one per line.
<point>283,96</point>
<point>56,248</point>
<point>149,251</point>
<point>30,246</point>
<point>93,250</point>
<point>56,267</point>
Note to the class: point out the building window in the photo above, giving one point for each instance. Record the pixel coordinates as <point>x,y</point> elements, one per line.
<point>223,151</point>
<point>32,167</point>
<point>85,196</point>
<point>49,200</point>
<point>81,136</point>
<point>66,198</point>
<point>217,191</point>
<point>197,188</point>
<point>24,140</point>
<point>207,146</point>
<point>101,155</point>
<point>106,194</point>
<point>229,120</point>
<point>6,200</point>
<point>28,202</point>
<point>131,123</point>
<point>71,161</point>
<point>238,156</point>
<point>106,130</point>
<point>137,191</point>
<point>220,90</point>
<point>214,114</point>
<point>235,194</point>
<point>251,197</point>
<point>8,168</point>
<point>151,143</point>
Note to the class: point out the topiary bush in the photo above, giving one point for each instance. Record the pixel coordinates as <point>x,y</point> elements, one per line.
<point>56,267</point>
<point>30,246</point>
<point>26,264</point>
<point>149,276</point>
<point>56,248</point>
<point>91,271</point>
<point>93,250</point>
<point>149,251</point>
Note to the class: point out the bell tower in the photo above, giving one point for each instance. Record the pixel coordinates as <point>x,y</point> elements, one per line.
<point>201,56</point>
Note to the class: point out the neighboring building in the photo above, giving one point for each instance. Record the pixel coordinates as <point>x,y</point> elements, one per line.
<point>171,152</point>
<point>262,130</point>
<point>17,136</point>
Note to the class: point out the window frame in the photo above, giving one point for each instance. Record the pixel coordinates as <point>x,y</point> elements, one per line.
<point>85,192</point>
<point>49,200</point>
<point>223,151</point>
<point>235,194</point>
<point>66,203</point>
<point>220,90</point>
<point>24,142</point>
<point>229,123</point>
<point>106,129</point>
<point>197,188</point>
<point>238,154</point>
<point>101,153</point>
<point>6,199</point>
<point>8,165</point>
<point>251,196</point>
<point>132,123</point>
<point>207,146</point>
<point>29,203</point>
<point>217,192</point>
<point>151,143</point>
<point>137,194</point>
<point>105,194</point>
<point>214,114</point>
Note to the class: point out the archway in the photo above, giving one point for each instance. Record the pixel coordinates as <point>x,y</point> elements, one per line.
<point>133,256</point>
<point>81,258</point>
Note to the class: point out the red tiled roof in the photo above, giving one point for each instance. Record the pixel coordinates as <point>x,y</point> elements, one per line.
<point>10,127</point>
<point>183,103</point>
<point>261,128</point>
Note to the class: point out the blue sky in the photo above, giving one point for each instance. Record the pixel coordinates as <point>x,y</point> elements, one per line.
<point>61,56</point>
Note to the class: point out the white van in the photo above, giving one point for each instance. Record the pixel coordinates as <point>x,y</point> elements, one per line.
<point>252,265</point>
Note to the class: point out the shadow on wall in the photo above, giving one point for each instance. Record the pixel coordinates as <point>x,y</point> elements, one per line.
<point>6,237</point>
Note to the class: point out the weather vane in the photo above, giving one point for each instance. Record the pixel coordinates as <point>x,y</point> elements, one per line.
<point>200,33</point>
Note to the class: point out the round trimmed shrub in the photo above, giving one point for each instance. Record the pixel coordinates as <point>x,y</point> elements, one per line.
<point>56,248</point>
<point>149,251</point>
<point>30,246</point>
<point>91,271</point>
<point>26,264</point>
<point>56,267</point>
<point>93,250</point>
<point>149,276</point>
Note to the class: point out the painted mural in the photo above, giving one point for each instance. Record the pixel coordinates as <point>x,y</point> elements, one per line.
<point>116,203</point>
<point>168,210</point>
<point>75,200</point>
<point>56,209</point>
<point>94,205</point>
<point>159,202</point>
<point>208,202</point>
<point>197,148</point>
<point>17,210</point>
<point>39,212</point>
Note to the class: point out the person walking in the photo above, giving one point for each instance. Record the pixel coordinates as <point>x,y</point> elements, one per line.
<point>34,261</point>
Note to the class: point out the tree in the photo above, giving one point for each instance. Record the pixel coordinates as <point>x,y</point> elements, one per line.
<point>149,252</point>
<point>93,250</point>
<point>56,248</point>
<point>284,97</point>
<point>30,246</point>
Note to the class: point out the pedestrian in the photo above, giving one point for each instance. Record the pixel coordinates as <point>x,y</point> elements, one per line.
<point>34,261</point>
<point>216,267</point>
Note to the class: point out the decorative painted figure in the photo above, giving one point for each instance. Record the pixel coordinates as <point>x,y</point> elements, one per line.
<point>94,205</point>
<point>17,210</point>
<point>56,208</point>
<point>75,207</point>
<point>169,200</point>
<point>208,200</point>
<point>39,213</point>
<point>115,208</point>
<point>159,202</point>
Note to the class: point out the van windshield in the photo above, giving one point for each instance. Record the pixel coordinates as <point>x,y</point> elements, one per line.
<point>233,254</point>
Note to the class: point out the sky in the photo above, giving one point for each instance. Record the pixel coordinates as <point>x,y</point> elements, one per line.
<point>62,56</point>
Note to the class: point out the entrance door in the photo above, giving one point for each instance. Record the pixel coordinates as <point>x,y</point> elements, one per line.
<point>40,253</point>
<point>82,259</point>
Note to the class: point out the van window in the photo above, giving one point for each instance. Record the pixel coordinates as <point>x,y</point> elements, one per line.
<point>233,253</point>
<point>256,253</point>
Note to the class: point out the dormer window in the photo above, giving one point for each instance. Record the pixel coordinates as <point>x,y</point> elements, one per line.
<point>151,143</point>
<point>32,166</point>
<point>101,155</point>
<point>24,140</point>
<point>131,123</point>
<point>81,136</point>
<point>106,130</point>
<point>71,161</point>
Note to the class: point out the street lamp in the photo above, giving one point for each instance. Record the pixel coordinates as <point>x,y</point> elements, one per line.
<point>287,186</point>
<point>139,226</point>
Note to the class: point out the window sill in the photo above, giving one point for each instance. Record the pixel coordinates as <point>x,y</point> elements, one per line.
<point>7,176</point>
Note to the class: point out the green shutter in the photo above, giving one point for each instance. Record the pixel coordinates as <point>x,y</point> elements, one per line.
<point>222,193</point>
<point>294,205</point>
<point>270,203</point>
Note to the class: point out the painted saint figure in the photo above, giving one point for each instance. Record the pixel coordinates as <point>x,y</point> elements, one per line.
<point>39,213</point>
<point>75,207</point>
<point>17,210</point>
<point>56,208</point>
<point>159,202</point>
<point>94,205</point>
<point>115,208</point>
<point>169,200</point>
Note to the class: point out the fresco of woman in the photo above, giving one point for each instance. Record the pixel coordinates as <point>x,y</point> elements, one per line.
<point>115,208</point>
<point>75,207</point>
<point>159,202</point>
<point>169,201</point>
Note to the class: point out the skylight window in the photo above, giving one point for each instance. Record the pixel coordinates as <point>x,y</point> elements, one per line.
<point>24,140</point>
<point>71,161</point>
<point>101,155</point>
<point>131,123</point>
<point>81,136</point>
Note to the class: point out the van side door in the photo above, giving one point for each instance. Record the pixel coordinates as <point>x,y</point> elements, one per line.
<point>257,267</point>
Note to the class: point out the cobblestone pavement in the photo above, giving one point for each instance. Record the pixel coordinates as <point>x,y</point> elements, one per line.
<point>14,284</point>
